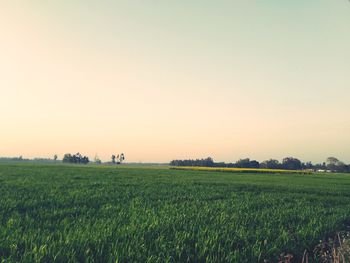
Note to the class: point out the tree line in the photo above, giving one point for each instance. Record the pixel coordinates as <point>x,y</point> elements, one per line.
<point>77,158</point>
<point>288,163</point>
<point>80,159</point>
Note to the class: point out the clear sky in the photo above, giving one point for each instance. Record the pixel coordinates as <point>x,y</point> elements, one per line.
<point>167,79</point>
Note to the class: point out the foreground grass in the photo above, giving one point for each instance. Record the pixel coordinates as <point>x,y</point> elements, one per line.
<point>115,214</point>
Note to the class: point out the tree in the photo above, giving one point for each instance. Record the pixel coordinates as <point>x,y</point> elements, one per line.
<point>247,163</point>
<point>307,165</point>
<point>291,163</point>
<point>121,158</point>
<point>332,163</point>
<point>97,160</point>
<point>208,162</point>
<point>67,158</point>
<point>341,167</point>
<point>243,163</point>
<point>254,164</point>
<point>75,158</point>
<point>271,164</point>
<point>85,160</point>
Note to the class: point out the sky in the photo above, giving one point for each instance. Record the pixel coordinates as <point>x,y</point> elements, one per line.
<point>173,79</point>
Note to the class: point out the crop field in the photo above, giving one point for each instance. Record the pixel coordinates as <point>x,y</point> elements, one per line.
<point>67,213</point>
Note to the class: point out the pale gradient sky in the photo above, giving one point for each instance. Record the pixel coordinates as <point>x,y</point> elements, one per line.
<point>168,79</point>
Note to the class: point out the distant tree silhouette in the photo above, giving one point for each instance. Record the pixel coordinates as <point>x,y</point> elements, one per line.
<point>207,162</point>
<point>75,158</point>
<point>271,164</point>
<point>333,164</point>
<point>97,160</point>
<point>247,163</point>
<point>120,158</point>
<point>291,163</point>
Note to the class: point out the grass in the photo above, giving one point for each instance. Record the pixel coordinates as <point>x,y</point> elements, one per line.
<point>62,213</point>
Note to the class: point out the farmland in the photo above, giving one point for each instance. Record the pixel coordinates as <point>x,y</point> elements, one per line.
<point>68,213</point>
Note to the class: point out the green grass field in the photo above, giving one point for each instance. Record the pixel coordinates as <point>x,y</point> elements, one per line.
<point>152,214</point>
